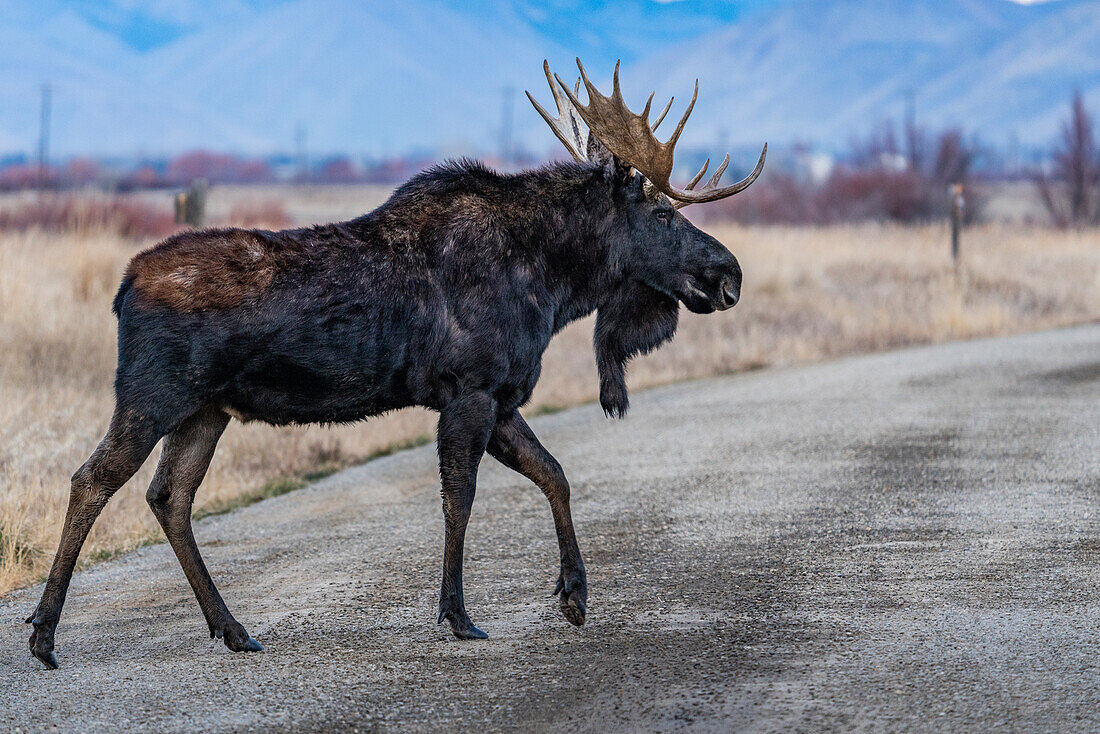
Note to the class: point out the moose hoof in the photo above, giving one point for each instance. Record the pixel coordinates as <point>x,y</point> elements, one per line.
<point>249,645</point>
<point>573,607</point>
<point>42,646</point>
<point>573,598</point>
<point>460,625</point>
<point>237,640</point>
<point>47,658</point>
<point>469,632</point>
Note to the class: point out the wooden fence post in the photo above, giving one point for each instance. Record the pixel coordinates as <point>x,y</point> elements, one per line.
<point>957,205</point>
<point>191,204</point>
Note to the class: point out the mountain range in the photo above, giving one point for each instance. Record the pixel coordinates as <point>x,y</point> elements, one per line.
<point>381,78</point>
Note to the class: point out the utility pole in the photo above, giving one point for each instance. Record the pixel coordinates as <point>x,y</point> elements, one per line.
<point>911,142</point>
<point>44,135</point>
<point>1013,163</point>
<point>723,139</point>
<point>506,126</point>
<point>302,161</point>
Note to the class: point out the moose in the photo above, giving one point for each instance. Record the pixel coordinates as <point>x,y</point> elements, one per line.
<point>445,296</point>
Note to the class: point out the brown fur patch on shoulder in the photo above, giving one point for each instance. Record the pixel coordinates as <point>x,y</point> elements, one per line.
<point>208,269</point>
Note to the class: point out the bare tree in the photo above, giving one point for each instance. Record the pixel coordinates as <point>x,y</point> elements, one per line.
<point>1071,193</point>
<point>877,149</point>
<point>953,158</point>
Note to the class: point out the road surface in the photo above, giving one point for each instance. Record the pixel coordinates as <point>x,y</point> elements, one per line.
<point>905,541</point>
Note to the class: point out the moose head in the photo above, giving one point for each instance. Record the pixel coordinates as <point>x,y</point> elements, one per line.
<point>664,259</point>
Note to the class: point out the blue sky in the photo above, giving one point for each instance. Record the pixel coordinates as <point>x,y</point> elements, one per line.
<point>149,24</point>
<point>145,24</point>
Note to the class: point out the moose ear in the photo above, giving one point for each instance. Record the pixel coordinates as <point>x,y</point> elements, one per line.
<point>598,153</point>
<point>636,319</point>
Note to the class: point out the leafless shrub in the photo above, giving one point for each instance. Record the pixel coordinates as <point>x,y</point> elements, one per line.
<point>124,216</point>
<point>1071,194</point>
<point>216,167</point>
<point>23,176</point>
<point>326,451</point>
<point>267,213</point>
<point>876,183</point>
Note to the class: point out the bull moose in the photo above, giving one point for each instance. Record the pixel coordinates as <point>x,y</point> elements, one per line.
<point>445,296</point>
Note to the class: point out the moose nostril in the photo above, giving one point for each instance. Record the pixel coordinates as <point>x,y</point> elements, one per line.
<point>730,292</point>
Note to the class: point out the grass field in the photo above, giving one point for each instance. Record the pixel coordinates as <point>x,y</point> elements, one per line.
<point>809,294</point>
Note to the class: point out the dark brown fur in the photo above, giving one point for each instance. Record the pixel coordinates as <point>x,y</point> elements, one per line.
<point>212,269</point>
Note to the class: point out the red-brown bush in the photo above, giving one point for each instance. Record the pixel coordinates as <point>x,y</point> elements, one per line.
<point>18,177</point>
<point>847,195</point>
<point>877,183</point>
<point>268,213</point>
<point>125,216</point>
<point>213,167</point>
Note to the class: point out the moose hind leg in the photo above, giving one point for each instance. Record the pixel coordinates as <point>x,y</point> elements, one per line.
<point>118,456</point>
<point>183,464</point>
<point>464,427</point>
<point>514,444</point>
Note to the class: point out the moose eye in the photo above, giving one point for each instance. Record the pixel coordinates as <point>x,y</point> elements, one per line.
<point>664,215</point>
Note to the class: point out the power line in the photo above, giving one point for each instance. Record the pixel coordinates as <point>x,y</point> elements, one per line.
<point>301,153</point>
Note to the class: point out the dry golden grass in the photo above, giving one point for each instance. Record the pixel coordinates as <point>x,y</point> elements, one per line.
<point>808,294</point>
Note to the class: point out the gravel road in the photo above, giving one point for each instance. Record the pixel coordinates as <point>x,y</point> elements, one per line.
<point>905,541</point>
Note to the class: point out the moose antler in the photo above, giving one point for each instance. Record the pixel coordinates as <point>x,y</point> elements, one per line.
<point>630,137</point>
<point>567,125</point>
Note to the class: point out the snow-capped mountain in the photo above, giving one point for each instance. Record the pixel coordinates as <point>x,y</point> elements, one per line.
<point>393,77</point>
<point>823,70</point>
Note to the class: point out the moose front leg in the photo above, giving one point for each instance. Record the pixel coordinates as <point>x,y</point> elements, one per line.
<point>464,427</point>
<point>515,445</point>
